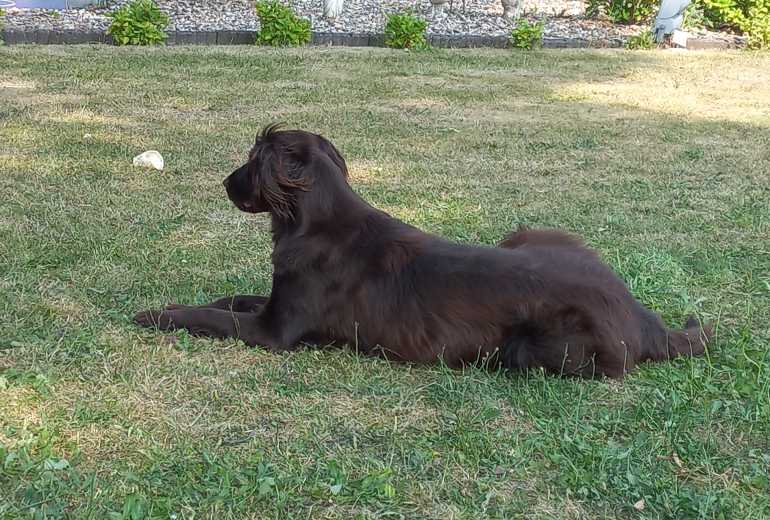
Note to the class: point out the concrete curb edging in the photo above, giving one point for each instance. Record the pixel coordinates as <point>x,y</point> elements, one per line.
<point>46,37</point>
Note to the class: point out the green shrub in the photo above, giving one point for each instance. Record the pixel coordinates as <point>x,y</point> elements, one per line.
<point>2,15</point>
<point>750,17</point>
<point>526,35</point>
<point>694,17</point>
<point>623,11</point>
<point>405,31</point>
<point>757,25</point>
<point>140,22</point>
<point>279,26</point>
<point>645,40</point>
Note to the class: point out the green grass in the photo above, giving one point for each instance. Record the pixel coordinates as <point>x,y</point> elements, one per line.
<point>659,160</point>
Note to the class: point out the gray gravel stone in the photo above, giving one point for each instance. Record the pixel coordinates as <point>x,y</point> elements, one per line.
<point>235,20</point>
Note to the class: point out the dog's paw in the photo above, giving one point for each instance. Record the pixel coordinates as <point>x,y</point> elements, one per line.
<point>154,319</point>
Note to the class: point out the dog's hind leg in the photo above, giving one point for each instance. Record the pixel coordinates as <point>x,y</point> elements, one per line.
<point>568,356</point>
<point>690,341</point>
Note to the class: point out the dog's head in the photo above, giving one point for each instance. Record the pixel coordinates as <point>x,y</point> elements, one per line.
<point>282,164</point>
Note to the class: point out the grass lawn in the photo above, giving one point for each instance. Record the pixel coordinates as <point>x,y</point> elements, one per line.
<point>660,160</point>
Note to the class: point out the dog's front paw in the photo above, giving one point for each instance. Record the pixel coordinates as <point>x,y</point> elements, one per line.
<point>154,319</point>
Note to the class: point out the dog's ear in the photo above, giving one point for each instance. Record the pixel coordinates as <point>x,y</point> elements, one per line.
<point>329,149</point>
<point>272,184</point>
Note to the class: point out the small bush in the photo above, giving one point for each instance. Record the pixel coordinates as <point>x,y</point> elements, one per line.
<point>623,11</point>
<point>526,35</point>
<point>2,15</point>
<point>694,17</point>
<point>279,26</point>
<point>140,22</point>
<point>757,26</point>
<point>405,31</point>
<point>642,41</point>
<point>750,17</point>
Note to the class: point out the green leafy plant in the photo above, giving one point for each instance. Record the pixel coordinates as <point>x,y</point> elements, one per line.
<point>279,26</point>
<point>645,40</point>
<point>405,31</point>
<point>623,11</point>
<point>757,25</point>
<point>750,17</point>
<point>2,15</point>
<point>527,35</point>
<point>140,22</point>
<point>694,17</point>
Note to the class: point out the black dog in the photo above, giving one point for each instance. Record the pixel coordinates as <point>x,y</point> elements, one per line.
<point>346,272</point>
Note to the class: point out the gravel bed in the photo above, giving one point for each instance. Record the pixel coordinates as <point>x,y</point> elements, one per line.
<point>468,17</point>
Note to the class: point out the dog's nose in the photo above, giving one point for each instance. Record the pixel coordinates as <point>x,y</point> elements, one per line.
<point>226,182</point>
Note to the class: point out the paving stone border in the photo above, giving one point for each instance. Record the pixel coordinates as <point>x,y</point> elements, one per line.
<point>45,37</point>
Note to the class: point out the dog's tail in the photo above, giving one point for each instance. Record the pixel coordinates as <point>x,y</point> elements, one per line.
<point>690,341</point>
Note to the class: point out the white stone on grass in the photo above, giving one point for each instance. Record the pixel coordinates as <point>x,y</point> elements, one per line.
<point>149,159</point>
